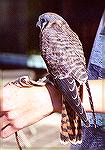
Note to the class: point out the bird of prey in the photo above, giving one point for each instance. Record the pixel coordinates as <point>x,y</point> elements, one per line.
<point>63,54</point>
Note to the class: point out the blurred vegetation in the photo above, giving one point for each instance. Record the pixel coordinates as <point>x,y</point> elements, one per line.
<point>32,51</point>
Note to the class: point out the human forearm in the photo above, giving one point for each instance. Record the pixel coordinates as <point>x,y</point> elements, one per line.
<point>22,107</point>
<point>97,88</point>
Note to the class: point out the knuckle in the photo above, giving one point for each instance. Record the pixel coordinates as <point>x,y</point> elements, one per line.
<point>11,115</point>
<point>17,124</point>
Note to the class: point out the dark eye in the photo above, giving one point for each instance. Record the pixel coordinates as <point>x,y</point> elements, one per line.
<point>43,20</point>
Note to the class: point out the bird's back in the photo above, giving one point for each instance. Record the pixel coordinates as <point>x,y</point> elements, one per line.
<point>63,52</point>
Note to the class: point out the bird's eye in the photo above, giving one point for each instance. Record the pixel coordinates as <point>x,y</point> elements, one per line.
<point>42,20</point>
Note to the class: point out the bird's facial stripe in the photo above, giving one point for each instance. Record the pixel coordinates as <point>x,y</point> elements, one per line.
<point>42,22</point>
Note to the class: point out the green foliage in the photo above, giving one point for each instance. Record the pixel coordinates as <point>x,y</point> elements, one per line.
<point>33,51</point>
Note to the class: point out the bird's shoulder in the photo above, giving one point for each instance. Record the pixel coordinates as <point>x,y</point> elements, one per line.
<point>54,32</point>
<point>65,37</point>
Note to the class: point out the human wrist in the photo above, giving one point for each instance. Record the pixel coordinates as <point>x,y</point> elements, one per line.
<point>55,97</point>
<point>45,100</point>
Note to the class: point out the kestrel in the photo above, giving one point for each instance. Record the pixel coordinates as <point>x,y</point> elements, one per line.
<point>63,54</point>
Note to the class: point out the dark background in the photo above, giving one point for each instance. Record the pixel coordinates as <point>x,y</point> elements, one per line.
<point>18,33</point>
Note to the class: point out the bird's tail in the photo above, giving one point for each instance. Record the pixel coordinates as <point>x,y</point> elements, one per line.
<point>64,125</point>
<point>71,129</point>
<point>91,102</point>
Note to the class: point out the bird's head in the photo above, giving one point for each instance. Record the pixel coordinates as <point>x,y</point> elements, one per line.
<point>49,18</point>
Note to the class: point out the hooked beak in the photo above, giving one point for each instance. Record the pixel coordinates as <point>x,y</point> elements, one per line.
<point>38,24</point>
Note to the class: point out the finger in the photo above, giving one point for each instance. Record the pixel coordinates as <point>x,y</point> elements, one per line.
<point>24,120</point>
<point>9,130</point>
<point>17,113</point>
<point>3,122</point>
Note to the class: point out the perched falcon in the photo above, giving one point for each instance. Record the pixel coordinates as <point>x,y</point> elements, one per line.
<point>63,54</point>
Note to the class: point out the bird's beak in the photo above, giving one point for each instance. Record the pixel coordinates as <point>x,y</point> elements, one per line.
<point>38,24</point>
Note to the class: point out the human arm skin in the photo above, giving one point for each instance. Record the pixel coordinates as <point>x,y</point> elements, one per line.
<point>22,107</point>
<point>97,88</point>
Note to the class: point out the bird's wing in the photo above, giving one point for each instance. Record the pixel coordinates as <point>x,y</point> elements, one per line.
<point>75,51</point>
<point>68,89</point>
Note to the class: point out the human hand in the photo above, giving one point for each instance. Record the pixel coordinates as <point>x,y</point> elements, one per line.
<point>21,107</point>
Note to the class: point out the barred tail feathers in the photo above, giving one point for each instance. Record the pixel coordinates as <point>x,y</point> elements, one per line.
<point>70,125</point>
<point>63,132</point>
<point>75,124</point>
